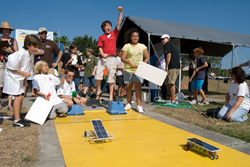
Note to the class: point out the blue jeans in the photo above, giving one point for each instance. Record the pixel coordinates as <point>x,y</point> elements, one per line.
<point>130,77</point>
<point>239,115</point>
<point>190,86</point>
<point>77,82</point>
<point>90,79</point>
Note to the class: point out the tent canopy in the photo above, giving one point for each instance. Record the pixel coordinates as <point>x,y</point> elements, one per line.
<point>214,42</point>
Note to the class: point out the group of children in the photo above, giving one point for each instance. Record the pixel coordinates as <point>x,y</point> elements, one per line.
<point>61,92</point>
<point>20,66</point>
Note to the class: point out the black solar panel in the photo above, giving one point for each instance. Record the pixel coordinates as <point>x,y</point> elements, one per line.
<point>203,144</point>
<point>99,129</point>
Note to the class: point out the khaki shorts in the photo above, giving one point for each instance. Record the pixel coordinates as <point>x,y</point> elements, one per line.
<point>65,100</point>
<point>1,77</point>
<point>172,76</point>
<point>110,63</point>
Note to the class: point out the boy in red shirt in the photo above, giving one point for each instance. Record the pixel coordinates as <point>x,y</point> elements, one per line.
<point>107,48</point>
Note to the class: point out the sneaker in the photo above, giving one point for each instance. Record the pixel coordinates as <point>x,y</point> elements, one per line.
<point>21,123</point>
<point>140,109</point>
<point>174,102</point>
<point>194,101</point>
<point>92,96</point>
<point>203,102</point>
<point>132,101</point>
<point>128,106</point>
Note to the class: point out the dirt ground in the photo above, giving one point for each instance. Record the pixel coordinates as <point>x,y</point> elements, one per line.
<point>18,146</point>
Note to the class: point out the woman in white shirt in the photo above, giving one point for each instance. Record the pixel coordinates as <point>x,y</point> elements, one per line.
<point>237,98</point>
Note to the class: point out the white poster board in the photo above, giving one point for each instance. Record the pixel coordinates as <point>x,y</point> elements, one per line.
<point>39,111</point>
<point>21,34</point>
<point>151,73</point>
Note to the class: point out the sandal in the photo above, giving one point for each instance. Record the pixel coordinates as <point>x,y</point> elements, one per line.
<point>98,95</point>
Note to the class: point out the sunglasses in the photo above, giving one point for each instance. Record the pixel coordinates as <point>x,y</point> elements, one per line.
<point>43,33</point>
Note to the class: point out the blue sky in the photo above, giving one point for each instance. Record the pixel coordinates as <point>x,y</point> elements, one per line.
<point>79,17</point>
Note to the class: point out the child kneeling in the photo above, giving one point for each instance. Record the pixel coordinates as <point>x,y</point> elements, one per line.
<point>66,90</point>
<point>44,85</point>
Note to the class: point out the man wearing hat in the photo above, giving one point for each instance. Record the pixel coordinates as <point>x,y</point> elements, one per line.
<point>47,49</point>
<point>172,57</point>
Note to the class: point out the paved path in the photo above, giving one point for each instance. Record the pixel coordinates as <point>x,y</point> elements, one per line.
<point>50,153</point>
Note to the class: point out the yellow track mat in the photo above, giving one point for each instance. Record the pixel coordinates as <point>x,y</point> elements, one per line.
<point>139,141</point>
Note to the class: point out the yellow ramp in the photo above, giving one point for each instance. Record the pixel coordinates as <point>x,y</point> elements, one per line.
<point>139,141</point>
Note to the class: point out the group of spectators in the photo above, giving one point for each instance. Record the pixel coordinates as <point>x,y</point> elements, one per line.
<point>38,55</point>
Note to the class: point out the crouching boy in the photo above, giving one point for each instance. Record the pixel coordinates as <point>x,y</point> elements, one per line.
<point>66,90</point>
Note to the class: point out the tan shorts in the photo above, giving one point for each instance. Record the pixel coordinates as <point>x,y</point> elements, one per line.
<point>172,76</point>
<point>2,68</point>
<point>110,63</point>
<point>1,77</point>
<point>65,100</point>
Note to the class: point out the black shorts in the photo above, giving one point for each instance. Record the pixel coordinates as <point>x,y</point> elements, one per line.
<point>120,80</point>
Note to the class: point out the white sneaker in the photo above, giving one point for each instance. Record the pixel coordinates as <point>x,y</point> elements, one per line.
<point>193,101</point>
<point>128,106</point>
<point>140,109</point>
<point>203,102</point>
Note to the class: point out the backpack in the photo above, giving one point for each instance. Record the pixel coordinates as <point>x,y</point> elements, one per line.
<point>212,112</point>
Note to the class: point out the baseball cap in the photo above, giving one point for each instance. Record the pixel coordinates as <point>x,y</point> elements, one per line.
<point>165,36</point>
<point>42,29</point>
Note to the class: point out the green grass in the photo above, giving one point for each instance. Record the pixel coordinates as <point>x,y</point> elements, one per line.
<point>239,130</point>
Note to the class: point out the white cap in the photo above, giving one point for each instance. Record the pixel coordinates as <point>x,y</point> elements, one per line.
<point>165,36</point>
<point>42,29</point>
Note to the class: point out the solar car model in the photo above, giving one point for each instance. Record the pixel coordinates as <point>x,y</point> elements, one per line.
<point>202,147</point>
<point>99,133</point>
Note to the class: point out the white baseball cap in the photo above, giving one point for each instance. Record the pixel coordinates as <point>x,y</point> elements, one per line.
<point>165,36</point>
<point>42,29</point>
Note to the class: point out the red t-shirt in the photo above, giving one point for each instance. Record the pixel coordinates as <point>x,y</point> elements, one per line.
<point>108,42</point>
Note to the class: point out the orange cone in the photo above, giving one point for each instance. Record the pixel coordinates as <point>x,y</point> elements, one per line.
<point>185,86</point>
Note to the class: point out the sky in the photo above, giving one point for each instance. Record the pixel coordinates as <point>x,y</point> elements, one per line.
<point>79,17</point>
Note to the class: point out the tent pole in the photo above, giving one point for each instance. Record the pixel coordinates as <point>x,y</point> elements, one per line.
<point>149,63</point>
<point>219,75</point>
<point>232,57</point>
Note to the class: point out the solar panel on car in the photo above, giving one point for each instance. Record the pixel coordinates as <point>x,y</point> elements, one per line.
<point>99,129</point>
<point>203,144</point>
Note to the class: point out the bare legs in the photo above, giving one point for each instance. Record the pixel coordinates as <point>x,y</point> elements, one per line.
<point>137,86</point>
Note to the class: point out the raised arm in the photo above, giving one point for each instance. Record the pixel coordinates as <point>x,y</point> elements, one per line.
<point>118,26</point>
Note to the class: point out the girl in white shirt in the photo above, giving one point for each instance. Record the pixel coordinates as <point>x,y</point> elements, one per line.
<point>237,98</point>
<point>44,85</point>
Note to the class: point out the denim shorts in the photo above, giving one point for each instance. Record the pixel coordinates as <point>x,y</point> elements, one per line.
<point>130,77</point>
<point>197,83</point>
<point>90,79</point>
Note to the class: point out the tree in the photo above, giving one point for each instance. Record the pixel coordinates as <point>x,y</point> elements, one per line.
<point>86,42</point>
<point>63,39</point>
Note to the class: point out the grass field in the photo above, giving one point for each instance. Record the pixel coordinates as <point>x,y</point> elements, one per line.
<point>193,116</point>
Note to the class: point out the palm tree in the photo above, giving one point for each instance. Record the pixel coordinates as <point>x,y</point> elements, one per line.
<point>65,40</point>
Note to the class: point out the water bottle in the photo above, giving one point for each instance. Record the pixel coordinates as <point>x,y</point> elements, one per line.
<point>181,97</point>
<point>74,93</point>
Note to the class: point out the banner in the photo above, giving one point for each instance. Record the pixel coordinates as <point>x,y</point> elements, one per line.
<point>21,34</point>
